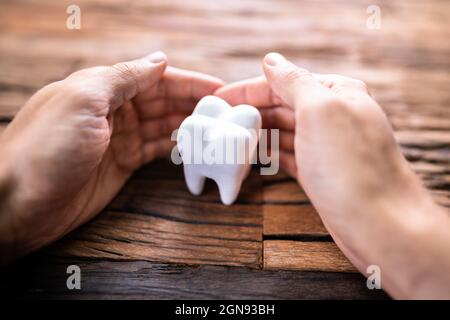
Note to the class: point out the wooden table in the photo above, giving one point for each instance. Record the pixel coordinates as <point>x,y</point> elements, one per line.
<point>155,240</point>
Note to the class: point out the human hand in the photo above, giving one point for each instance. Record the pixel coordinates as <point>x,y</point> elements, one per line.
<point>337,142</point>
<point>74,144</point>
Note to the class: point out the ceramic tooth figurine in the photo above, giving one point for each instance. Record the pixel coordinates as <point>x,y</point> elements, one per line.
<point>219,142</point>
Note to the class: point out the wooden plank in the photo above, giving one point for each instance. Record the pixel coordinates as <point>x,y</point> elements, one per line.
<point>442,197</point>
<point>30,73</point>
<point>305,256</point>
<point>45,278</point>
<point>287,209</point>
<point>292,220</point>
<point>281,189</point>
<point>154,218</point>
<point>426,139</point>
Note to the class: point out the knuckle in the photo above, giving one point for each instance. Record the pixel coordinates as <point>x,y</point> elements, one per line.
<point>125,70</point>
<point>127,74</point>
<point>344,81</point>
<point>295,74</point>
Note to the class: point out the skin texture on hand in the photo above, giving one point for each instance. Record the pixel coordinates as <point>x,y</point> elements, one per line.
<point>75,143</point>
<point>337,142</point>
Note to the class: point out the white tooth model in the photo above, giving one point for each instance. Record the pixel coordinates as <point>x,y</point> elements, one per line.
<point>219,142</point>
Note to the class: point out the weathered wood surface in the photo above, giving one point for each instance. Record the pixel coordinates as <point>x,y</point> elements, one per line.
<point>147,280</point>
<point>148,225</point>
<point>307,256</point>
<point>155,218</point>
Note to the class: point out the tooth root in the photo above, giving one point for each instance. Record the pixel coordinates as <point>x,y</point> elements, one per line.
<point>195,182</point>
<point>228,189</point>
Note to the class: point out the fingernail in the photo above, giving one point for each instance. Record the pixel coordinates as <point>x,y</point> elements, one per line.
<point>274,59</point>
<point>157,57</point>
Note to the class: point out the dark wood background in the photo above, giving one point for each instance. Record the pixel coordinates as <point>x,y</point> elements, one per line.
<point>155,240</point>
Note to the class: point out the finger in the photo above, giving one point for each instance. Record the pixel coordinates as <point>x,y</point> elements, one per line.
<point>157,149</point>
<point>254,91</point>
<point>278,118</point>
<point>288,164</point>
<point>295,86</point>
<point>285,140</point>
<point>126,79</point>
<point>183,84</point>
<point>162,127</point>
<point>157,108</point>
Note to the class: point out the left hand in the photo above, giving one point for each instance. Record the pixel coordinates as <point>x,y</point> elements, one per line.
<point>75,143</point>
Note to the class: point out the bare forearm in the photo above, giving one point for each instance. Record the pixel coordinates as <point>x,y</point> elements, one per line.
<point>417,262</point>
<point>409,239</point>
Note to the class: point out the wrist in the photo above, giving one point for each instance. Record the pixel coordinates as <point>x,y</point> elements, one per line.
<point>406,239</point>
<point>414,253</point>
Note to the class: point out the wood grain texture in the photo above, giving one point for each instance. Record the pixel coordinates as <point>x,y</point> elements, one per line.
<point>146,280</point>
<point>292,220</point>
<point>282,189</point>
<point>155,218</point>
<point>305,256</point>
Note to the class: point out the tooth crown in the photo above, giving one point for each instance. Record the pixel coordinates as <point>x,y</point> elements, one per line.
<point>219,142</point>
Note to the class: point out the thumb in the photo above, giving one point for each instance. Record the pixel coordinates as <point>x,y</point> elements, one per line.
<point>129,78</point>
<point>294,85</point>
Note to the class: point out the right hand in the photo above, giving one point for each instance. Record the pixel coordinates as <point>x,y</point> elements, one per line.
<point>336,140</point>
